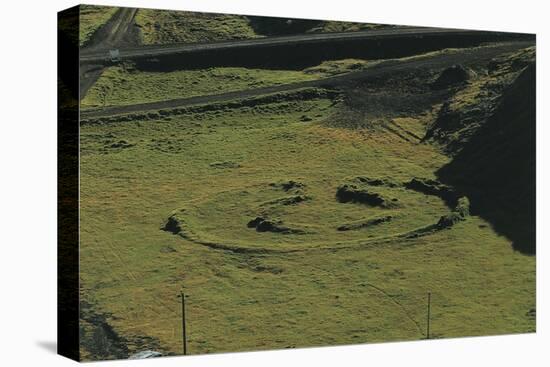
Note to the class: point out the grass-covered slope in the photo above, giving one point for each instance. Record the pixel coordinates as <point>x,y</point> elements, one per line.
<point>255,286</point>
<point>497,166</point>
<point>123,86</point>
<point>168,26</point>
<point>314,216</point>
<point>92,17</point>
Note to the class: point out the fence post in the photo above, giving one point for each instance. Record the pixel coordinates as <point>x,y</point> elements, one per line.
<point>428,317</point>
<point>184,336</point>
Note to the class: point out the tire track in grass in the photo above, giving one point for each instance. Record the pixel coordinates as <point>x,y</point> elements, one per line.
<point>380,290</point>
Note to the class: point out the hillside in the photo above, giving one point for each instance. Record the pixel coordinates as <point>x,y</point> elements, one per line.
<point>165,26</point>
<point>304,195</point>
<point>496,167</point>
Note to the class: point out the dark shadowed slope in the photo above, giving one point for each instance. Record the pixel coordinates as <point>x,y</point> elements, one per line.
<point>496,168</point>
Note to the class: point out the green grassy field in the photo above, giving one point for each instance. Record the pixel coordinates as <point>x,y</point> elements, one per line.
<point>312,285</point>
<point>118,86</point>
<point>92,17</point>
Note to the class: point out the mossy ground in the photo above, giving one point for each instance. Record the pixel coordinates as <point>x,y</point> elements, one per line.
<point>332,290</point>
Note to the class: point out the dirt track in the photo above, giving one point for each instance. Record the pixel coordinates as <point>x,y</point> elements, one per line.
<point>118,31</point>
<point>96,55</point>
<point>464,56</point>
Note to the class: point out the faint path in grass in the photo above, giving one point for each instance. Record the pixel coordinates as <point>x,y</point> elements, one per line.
<point>113,33</point>
<point>394,301</point>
